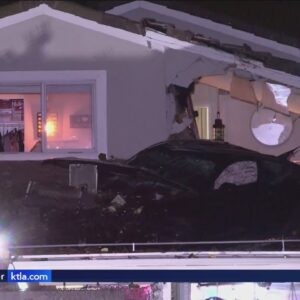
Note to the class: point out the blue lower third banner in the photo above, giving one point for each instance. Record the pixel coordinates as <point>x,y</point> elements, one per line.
<point>29,276</point>
<point>150,275</point>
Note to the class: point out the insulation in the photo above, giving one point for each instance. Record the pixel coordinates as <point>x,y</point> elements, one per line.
<point>222,82</point>
<point>294,102</point>
<point>258,87</point>
<point>268,100</point>
<point>242,89</point>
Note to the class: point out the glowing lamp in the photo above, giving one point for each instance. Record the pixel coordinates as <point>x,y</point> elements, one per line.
<point>51,125</point>
<point>50,128</point>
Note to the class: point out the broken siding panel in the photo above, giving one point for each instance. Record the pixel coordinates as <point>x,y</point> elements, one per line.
<point>294,102</point>
<point>242,89</point>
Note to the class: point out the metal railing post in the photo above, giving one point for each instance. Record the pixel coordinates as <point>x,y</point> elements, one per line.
<point>283,245</point>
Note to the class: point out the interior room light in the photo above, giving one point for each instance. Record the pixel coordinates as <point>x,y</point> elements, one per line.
<point>50,128</point>
<point>51,125</point>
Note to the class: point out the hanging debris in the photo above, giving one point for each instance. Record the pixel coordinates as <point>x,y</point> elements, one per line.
<point>183,126</point>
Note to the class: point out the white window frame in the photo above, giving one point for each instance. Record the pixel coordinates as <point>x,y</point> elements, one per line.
<point>99,108</point>
<point>75,151</point>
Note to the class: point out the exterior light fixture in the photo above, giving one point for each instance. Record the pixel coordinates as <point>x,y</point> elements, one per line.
<point>218,129</point>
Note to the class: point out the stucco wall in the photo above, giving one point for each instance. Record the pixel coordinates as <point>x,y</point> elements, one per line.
<point>136,116</point>
<point>236,116</point>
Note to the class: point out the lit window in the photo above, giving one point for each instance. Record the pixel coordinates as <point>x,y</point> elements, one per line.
<point>19,107</point>
<point>67,123</point>
<point>69,117</point>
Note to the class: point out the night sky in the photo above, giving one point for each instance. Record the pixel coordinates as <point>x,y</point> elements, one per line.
<point>279,20</point>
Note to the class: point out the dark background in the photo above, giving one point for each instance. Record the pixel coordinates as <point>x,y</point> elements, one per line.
<point>279,20</point>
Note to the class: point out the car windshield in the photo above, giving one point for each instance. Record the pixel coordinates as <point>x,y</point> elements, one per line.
<point>190,167</point>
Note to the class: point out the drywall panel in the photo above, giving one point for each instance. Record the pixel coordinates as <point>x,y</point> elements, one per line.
<point>236,116</point>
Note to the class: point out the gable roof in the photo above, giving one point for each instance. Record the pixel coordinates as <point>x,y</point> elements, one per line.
<point>140,32</point>
<point>76,14</point>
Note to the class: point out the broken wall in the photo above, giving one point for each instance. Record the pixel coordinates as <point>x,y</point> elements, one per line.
<point>236,116</point>
<point>182,68</point>
<point>220,33</point>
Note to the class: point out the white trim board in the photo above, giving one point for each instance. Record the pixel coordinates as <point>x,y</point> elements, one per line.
<point>205,23</point>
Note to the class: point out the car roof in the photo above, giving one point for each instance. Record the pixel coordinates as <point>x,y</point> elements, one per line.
<point>205,146</point>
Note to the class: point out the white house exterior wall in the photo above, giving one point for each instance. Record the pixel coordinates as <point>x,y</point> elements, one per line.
<point>136,116</point>
<point>135,111</point>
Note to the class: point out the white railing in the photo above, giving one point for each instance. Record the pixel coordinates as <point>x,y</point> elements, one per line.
<point>135,247</point>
